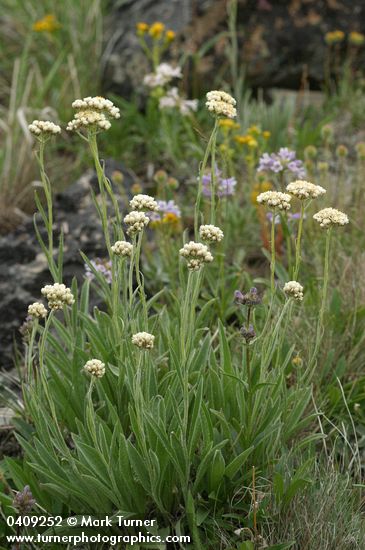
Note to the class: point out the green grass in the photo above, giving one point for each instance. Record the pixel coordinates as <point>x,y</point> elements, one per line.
<point>242,444</point>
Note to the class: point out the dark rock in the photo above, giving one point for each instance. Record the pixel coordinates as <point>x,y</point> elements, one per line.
<point>24,269</point>
<point>280,42</point>
<point>19,253</point>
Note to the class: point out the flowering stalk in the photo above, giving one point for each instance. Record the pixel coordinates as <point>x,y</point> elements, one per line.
<point>43,340</point>
<point>137,247</point>
<point>213,184</point>
<point>298,242</point>
<point>186,334</point>
<point>47,218</point>
<point>271,342</point>
<point>29,354</point>
<point>101,181</point>
<point>272,264</point>
<point>184,331</point>
<point>104,187</point>
<point>320,326</point>
<point>201,173</point>
<point>248,349</point>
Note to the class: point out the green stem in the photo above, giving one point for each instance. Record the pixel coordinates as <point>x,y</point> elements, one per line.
<point>138,277</point>
<point>101,180</point>
<point>200,183</point>
<point>130,276</point>
<point>213,181</point>
<point>320,327</point>
<point>184,317</point>
<point>29,358</point>
<point>43,340</point>
<point>48,193</point>
<point>272,265</point>
<point>298,242</point>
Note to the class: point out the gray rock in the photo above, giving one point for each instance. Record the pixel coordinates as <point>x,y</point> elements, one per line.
<point>24,267</point>
<point>280,42</point>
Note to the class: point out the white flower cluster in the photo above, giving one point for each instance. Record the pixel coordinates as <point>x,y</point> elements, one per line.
<point>221,104</point>
<point>93,111</point>
<point>39,127</point>
<point>37,310</point>
<point>305,190</point>
<point>137,221</point>
<point>293,289</point>
<point>172,100</point>
<point>95,367</point>
<point>97,103</point>
<point>211,233</point>
<point>144,202</point>
<point>163,75</point>
<point>84,119</point>
<point>58,295</point>
<point>330,216</point>
<point>275,199</point>
<point>196,254</point>
<point>122,248</point>
<point>143,340</point>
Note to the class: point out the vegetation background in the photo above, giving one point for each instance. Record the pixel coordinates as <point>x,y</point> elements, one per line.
<point>240,437</point>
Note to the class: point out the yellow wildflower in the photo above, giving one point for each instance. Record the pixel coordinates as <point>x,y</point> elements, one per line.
<point>252,143</point>
<point>297,361</point>
<point>334,37</point>
<point>242,140</point>
<point>254,130</point>
<point>258,188</point>
<point>170,218</point>
<point>117,176</point>
<point>136,188</point>
<point>266,134</point>
<point>228,123</point>
<point>141,28</point>
<point>170,36</point>
<point>48,23</point>
<point>356,38</point>
<point>156,30</point>
<point>360,150</point>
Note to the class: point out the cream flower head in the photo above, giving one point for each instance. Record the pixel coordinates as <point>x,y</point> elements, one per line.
<point>293,289</point>
<point>305,190</point>
<point>143,340</point>
<point>58,295</point>
<point>137,221</point>
<point>329,217</point>
<point>93,112</point>
<point>37,310</point>
<point>210,233</point>
<point>122,248</point>
<point>143,202</point>
<point>275,199</point>
<point>221,104</point>
<point>196,254</point>
<point>95,367</point>
<point>44,127</point>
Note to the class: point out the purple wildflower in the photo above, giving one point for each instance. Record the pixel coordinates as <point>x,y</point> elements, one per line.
<point>268,163</point>
<point>103,266</point>
<point>24,501</point>
<point>286,155</point>
<point>291,217</point>
<point>285,159</point>
<point>295,216</point>
<point>269,216</point>
<point>225,186</point>
<point>248,333</point>
<point>164,208</point>
<point>250,298</point>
